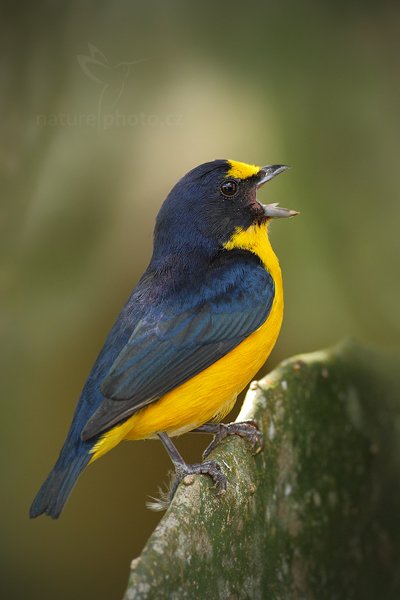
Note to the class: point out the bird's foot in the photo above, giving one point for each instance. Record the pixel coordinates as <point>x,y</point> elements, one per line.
<point>184,473</point>
<point>209,467</point>
<point>246,429</point>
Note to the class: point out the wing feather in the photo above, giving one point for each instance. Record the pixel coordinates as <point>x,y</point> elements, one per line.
<point>164,352</point>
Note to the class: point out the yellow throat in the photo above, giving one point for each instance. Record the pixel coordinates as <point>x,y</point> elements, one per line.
<point>211,394</point>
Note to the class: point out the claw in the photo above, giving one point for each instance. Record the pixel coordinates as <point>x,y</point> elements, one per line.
<point>182,469</point>
<point>210,467</point>
<point>246,429</point>
<point>213,469</point>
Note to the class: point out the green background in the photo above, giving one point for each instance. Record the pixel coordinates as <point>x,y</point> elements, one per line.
<point>89,149</point>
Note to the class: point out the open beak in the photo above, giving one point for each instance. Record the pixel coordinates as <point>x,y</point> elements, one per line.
<point>273,211</point>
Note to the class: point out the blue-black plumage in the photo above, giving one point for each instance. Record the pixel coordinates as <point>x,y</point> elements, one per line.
<point>196,302</point>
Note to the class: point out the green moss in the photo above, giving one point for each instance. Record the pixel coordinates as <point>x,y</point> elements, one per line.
<point>315,515</point>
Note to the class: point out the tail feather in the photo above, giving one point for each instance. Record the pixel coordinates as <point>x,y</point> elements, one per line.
<point>55,491</point>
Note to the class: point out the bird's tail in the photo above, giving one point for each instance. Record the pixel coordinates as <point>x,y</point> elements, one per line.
<point>55,491</point>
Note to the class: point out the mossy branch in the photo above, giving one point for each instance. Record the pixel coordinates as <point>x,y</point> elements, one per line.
<point>315,515</point>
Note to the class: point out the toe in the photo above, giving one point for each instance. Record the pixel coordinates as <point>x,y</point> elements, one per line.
<point>250,431</point>
<point>213,469</point>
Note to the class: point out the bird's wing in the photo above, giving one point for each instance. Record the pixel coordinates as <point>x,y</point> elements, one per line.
<point>161,355</point>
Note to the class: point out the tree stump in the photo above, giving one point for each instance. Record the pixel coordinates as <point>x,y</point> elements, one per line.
<point>315,515</point>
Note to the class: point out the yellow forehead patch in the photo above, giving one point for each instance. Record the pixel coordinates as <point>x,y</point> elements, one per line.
<point>240,170</point>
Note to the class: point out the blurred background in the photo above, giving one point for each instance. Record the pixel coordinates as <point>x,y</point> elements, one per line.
<point>104,105</point>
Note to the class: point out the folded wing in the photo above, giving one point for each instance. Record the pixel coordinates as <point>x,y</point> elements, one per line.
<point>166,351</point>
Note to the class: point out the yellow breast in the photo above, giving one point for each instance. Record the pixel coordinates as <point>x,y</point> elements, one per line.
<point>211,394</point>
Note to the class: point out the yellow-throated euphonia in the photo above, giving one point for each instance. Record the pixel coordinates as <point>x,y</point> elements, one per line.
<point>197,327</point>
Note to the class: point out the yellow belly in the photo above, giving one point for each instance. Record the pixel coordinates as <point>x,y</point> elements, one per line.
<point>211,394</point>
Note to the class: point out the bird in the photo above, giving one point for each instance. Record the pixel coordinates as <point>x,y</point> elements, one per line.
<point>199,324</point>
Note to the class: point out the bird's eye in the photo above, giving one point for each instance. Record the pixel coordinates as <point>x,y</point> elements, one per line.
<point>229,187</point>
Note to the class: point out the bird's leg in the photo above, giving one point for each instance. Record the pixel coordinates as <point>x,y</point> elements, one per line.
<point>210,467</point>
<point>246,429</point>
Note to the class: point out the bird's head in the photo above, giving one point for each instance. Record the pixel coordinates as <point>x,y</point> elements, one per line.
<point>213,201</point>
